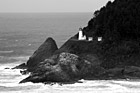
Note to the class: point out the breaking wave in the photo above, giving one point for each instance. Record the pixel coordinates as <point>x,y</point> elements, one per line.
<point>10,78</point>
<point>9,83</point>
<point>11,51</point>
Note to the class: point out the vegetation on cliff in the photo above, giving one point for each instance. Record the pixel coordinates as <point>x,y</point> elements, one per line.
<point>117,20</point>
<point>119,24</point>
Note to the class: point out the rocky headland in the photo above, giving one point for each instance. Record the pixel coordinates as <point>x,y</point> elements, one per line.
<point>117,56</point>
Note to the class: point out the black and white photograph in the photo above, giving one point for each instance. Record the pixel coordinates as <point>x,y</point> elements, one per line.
<point>69,46</point>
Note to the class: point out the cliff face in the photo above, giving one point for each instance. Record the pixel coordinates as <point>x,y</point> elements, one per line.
<point>117,56</point>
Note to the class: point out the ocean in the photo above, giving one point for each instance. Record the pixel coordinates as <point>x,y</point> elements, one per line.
<point>22,33</point>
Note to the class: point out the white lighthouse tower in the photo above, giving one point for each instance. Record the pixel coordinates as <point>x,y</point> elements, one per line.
<point>81,36</point>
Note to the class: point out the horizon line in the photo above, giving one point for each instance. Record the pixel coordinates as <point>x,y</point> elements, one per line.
<point>46,12</point>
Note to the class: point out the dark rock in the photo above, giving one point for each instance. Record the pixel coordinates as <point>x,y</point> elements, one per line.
<point>68,68</point>
<point>128,72</point>
<point>24,72</point>
<point>45,51</point>
<point>114,73</point>
<point>21,66</point>
<point>6,68</point>
<point>132,72</point>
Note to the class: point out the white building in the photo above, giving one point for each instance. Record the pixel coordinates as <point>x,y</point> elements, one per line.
<point>81,36</point>
<point>99,38</point>
<point>90,38</point>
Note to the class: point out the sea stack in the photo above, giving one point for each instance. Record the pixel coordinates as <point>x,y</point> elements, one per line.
<point>46,50</point>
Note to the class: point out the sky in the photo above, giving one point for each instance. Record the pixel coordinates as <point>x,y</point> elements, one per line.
<point>51,5</point>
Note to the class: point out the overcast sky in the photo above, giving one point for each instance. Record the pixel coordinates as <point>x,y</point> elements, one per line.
<point>51,5</point>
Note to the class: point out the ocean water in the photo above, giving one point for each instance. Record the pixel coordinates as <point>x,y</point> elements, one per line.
<point>21,34</point>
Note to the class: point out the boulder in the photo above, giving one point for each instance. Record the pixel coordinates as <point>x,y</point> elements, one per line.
<point>45,51</point>
<point>67,68</point>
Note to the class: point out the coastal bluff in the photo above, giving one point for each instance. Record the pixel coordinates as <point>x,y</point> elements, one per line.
<point>117,56</point>
<point>77,60</point>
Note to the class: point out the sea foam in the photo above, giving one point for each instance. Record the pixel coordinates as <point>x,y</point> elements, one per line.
<point>12,77</point>
<point>4,52</point>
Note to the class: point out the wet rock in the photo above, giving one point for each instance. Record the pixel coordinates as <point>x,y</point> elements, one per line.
<point>6,68</point>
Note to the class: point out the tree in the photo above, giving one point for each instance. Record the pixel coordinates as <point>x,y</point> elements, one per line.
<point>121,17</point>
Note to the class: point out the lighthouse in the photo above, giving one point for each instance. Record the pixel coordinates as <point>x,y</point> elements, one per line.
<point>81,36</point>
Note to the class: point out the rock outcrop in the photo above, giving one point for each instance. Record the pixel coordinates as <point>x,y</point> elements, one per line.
<point>68,68</point>
<point>46,50</point>
<point>21,66</point>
